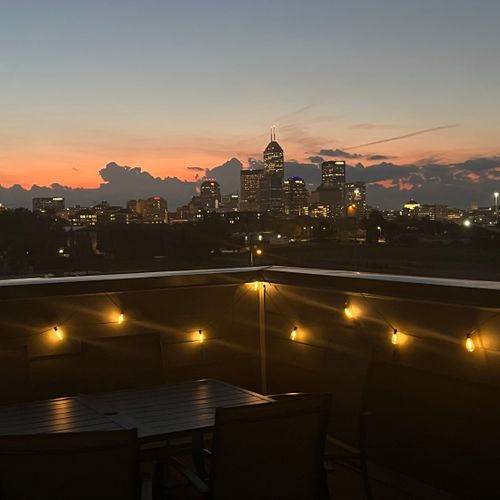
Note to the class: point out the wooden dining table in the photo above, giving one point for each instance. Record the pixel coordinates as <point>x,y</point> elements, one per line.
<point>159,412</point>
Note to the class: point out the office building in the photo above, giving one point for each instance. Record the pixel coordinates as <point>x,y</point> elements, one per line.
<point>153,210</point>
<point>210,196</point>
<point>250,190</point>
<point>295,197</point>
<point>49,205</point>
<point>333,174</point>
<point>331,191</point>
<point>274,170</point>
<point>355,199</point>
<point>230,202</point>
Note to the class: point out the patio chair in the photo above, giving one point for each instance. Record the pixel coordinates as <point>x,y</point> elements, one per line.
<point>71,466</point>
<point>438,429</point>
<point>268,451</point>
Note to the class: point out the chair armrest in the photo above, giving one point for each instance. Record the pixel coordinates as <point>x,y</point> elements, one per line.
<point>191,476</point>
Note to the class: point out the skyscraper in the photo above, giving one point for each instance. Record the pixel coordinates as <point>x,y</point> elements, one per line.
<point>355,199</point>
<point>295,197</point>
<point>274,168</point>
<point>333,174</point>
<point>331,191</point>
<point>210,195</point>
<point>250,190</point>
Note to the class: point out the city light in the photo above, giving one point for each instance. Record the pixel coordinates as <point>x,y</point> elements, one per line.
<point>258,251</point>
<point>467,223</point>
<point>201,337</point>
<point>121,318</point>
<point>293,334</point>
<point>469,343</point>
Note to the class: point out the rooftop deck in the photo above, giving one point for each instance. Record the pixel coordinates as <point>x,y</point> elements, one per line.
<point>428,383</point>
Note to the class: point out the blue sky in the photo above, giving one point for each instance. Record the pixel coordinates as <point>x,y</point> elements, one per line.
<point>171,84</point>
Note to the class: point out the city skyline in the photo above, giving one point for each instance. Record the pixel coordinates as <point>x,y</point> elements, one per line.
<point>172,86</point>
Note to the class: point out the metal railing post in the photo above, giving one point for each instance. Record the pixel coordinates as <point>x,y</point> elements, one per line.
<point>262,338</point>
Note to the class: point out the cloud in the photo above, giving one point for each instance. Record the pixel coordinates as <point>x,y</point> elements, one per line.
<point>405,136</point>
<point>197,169</point>
<point>120,183</point>
<point>379,157</point>
<point>389,184</point>
<point>255,164</point>
<point>227,174</point>
<point>338,153</point>
<point>316,159</point>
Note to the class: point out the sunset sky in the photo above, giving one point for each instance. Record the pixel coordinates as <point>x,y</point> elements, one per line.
<point>168,84</point>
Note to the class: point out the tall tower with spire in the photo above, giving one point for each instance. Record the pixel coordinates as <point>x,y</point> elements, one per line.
<point>274,170</point>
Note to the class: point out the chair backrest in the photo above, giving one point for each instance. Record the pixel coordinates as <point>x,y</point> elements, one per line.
<point>72,466</point>
<point>439,429</point>
<point>270,451</point>
<point>123,362</point>
<point>14,375</point>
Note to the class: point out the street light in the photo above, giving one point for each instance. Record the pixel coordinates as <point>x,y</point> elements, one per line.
<point>254,250</point>
<point>495,194</point>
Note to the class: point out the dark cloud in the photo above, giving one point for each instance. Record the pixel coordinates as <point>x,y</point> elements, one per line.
<point>316,159</point>
<point>338,153</point>
<point>388,184</point>
<point>119,185</point>
<point>379,157</point>
<point>310,173</point>
<point>253,163</point>
<point>227,174</point>
<point>197,169</point>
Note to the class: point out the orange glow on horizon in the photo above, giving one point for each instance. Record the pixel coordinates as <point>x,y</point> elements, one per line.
<point>79,167</point>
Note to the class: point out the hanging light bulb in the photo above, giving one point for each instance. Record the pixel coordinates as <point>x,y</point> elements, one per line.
<point>469,343</point>
<point>293,334</point>
<point>201,337</point>
<point>121,318</point>
<point>58,333</point>
<point>348,311</point>
<point>394,338</point>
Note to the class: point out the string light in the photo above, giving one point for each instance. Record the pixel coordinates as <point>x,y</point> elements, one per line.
<point>201,337</point>
<point>293,334</point>
<point>394,338</point>
<point>469,343</point>
<point>58,334</point>
<point>121,318</point>
<point>348,311</point>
